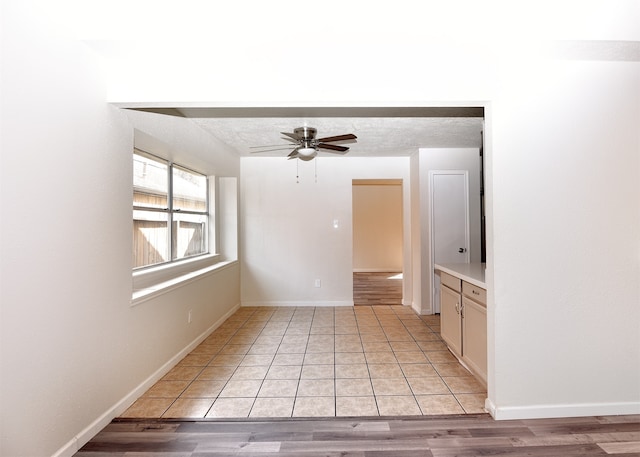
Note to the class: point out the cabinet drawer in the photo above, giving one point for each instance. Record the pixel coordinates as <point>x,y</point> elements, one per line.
<point>474,292</point>
<point>450,281</point>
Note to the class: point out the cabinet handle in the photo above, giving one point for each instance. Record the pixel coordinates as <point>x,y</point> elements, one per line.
<point>475,293</point>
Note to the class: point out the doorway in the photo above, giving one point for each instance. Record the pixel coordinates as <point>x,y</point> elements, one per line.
<point>377,241</point>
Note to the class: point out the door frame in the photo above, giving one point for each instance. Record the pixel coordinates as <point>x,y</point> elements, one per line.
<point>405,212</point>
<point>435,279</point>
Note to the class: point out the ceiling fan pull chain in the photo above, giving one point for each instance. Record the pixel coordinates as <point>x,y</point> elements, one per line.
<point>316,170</point>
<point>297,172</point>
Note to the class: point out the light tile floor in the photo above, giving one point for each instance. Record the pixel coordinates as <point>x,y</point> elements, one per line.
<point>310,362</point>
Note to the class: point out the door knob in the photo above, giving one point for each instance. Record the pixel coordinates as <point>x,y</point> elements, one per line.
<point>461,250</point>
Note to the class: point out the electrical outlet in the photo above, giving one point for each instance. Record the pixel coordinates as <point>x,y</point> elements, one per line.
<point>318,283</point>
<point>189,317</point>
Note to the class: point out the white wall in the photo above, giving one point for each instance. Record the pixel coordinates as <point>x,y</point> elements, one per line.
<point>377,226</point>
<point>565,314</point>
<point>73,349</point>
<point>288,239</point>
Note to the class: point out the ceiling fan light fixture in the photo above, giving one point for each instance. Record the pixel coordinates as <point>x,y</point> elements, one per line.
<point>307,152</point>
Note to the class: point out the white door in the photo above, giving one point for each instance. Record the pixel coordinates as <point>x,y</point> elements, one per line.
<point>449,221</point>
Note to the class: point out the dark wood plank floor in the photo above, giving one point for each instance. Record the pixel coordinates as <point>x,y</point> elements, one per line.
<point>377,289</point>
<point>437,436</point>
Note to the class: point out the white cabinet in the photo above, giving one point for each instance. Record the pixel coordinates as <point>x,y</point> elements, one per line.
<point>474,333</point>
<point>463,322</point>
<point>450,318</point>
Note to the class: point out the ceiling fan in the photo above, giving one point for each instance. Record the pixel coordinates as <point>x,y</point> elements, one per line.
<point>307,145</point>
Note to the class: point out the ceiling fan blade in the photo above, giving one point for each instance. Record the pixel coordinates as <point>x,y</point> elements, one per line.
<point>333,147</point>
<point>348,136</point>
<point>270,150</point>
<point>293,136</point>
<point>268,146</point>
<point>293,154</point>
<point>292,140</point>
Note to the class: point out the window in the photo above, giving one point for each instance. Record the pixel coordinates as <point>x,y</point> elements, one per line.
<point>170,211</point>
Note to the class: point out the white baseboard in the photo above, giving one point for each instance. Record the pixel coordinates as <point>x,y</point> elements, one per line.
<point>74,445</point>
<point>567,410</point>
<point>418,309</point>
<point>490,407</point>
<point>297,303</point>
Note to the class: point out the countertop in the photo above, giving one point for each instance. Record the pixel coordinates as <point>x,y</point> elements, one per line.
<point>471,272</point>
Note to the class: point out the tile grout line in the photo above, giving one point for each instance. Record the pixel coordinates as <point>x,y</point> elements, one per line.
<point>335,382</point>
<point>255,398</point>
<point>199,373</point>
<point>239,364</point>
<point>227,381</point>
<point>403,373</point>
<point>375,397</point>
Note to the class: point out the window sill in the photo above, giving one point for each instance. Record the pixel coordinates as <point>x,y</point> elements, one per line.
<point>153,282</point>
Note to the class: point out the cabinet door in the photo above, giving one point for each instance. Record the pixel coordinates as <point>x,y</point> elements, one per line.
<point>474,335</point>
<point>450,321</point>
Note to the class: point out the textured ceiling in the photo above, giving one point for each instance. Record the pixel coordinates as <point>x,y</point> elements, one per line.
<point>381,132</point>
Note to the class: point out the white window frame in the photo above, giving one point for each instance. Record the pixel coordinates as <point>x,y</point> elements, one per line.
<point>152,280</point>
<point>170,211</point>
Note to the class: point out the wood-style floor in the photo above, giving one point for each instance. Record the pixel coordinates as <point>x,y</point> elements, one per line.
<point>440,436</point>
<point>377,288</point>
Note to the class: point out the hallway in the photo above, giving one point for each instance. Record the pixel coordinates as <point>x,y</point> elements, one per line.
<point>377,288</point>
